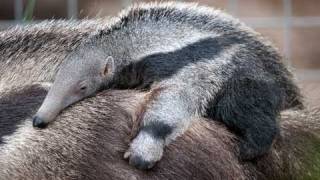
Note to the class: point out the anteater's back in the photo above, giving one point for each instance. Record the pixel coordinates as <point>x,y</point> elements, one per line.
<point>166,27</point>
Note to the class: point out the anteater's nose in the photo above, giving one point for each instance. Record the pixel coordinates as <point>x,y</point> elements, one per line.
<point>38,122</point>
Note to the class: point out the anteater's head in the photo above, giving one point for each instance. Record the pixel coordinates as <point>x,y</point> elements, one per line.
<point>80,76</point>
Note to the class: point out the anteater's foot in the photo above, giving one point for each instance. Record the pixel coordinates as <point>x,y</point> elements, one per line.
<point>144,151</point>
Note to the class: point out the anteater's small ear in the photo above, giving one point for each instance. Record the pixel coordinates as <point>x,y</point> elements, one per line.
<point>108,67</point>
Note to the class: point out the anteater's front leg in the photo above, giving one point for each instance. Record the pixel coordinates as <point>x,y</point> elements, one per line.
<point>167,116</point>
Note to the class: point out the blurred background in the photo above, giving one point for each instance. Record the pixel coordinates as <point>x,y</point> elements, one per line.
<point>293,25</point>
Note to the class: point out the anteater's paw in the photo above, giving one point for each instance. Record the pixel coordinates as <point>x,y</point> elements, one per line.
<point>139,162</point>
<point>144,151</point>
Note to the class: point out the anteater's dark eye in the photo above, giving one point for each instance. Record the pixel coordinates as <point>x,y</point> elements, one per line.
<point>83,88</point>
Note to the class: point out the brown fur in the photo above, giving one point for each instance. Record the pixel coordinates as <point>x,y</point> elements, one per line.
<point>92,148</point>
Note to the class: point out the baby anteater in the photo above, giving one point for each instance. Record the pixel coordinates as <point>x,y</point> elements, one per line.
<point>198,61</point>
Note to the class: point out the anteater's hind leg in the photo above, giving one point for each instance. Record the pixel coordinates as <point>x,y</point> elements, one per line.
<point>250,106</point>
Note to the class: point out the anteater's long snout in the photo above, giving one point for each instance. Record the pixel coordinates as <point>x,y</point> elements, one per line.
<point>39,122</point>
<point>48,111</point>
<point>43,117</point>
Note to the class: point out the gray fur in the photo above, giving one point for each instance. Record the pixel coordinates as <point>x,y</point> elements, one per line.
<point>206,151</point>
<point>92,147</point>
<point>40,49</point>
<point>204,62</point>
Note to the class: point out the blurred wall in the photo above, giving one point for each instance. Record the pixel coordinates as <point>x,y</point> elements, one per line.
<point>293,25</point>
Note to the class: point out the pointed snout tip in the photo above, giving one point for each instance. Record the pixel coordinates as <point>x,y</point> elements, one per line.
<point>39,122</point>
